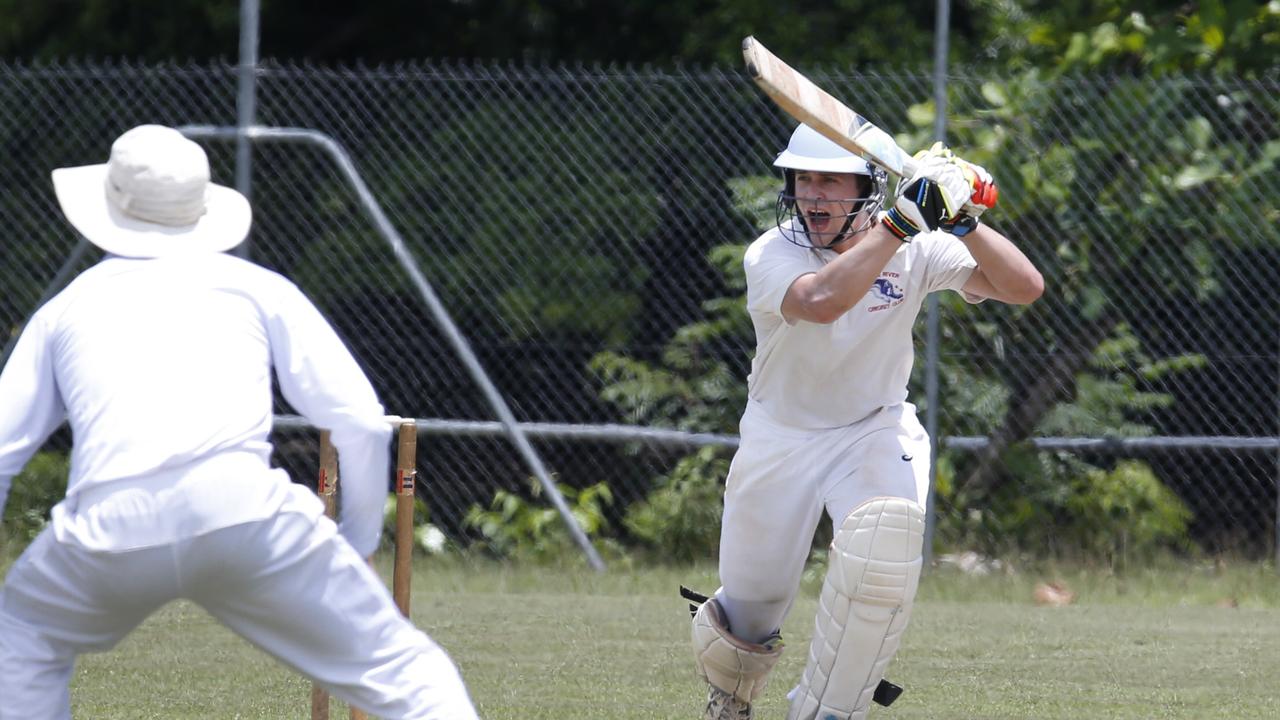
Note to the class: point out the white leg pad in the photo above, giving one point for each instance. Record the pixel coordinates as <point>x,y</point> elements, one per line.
<point>866,600</point>
<point>727,662</point>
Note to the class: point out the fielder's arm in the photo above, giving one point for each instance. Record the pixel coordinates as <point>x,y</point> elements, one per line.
<point>30,406</point>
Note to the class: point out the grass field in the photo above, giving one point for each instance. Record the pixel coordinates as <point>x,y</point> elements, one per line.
<point>550,644</point>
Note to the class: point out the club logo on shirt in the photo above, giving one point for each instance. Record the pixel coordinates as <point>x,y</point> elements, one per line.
<point>887,292</point>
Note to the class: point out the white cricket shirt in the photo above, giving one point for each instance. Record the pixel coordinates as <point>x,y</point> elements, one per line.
<point>160,363</point>
<point>814,376</point>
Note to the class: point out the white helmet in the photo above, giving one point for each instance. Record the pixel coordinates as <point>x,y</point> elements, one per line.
<point>810,150</point>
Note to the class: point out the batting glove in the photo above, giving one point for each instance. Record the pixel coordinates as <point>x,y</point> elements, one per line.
<point>932,197</point>
<point>983,196</point>
<point>984,193</point>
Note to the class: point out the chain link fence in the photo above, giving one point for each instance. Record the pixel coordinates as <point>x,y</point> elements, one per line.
<point>584,227</point>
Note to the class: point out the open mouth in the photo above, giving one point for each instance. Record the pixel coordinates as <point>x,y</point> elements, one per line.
<point>818,220</point>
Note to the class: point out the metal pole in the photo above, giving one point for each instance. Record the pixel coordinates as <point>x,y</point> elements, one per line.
<point>246,103</point>
<point>932,334</point>
<point>428,294</point>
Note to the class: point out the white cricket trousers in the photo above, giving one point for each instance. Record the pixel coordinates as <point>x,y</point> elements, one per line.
<point>779,483</point>
<point>287,583</point>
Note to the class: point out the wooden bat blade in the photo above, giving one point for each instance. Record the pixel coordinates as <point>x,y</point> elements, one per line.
<point>815,107</point>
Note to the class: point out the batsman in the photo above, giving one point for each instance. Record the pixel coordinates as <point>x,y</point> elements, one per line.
<point>833,292</point>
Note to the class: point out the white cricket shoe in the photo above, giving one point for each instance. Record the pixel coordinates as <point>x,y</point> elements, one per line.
<point>725,706</point>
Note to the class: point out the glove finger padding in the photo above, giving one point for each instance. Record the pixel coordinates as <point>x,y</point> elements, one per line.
<point>938,149</point>
<point>984,191</point>
<point>932,197</point>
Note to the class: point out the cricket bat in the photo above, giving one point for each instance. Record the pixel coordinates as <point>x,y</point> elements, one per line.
<point>815,107</point>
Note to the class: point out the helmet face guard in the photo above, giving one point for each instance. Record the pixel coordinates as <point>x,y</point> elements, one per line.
<point>791,222</point>
<point>809,151</point>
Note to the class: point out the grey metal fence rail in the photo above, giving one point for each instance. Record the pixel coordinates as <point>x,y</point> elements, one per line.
<point>584,227</point>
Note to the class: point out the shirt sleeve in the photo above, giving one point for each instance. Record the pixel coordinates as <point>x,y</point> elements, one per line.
<point>320,378</point>
<point>30,406</point>
<point>948,264</point>
<point>770,273</point>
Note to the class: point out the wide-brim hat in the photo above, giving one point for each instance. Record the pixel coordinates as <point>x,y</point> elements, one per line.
<point>153,198</point>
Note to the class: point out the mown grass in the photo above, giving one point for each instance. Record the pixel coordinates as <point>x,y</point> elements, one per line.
<point>1167,642</point>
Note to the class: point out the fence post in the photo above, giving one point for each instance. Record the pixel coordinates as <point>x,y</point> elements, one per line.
<point>940,29</point>
<point>246,104</point>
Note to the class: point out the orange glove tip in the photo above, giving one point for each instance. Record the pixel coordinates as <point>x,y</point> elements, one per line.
<point>986,195</point>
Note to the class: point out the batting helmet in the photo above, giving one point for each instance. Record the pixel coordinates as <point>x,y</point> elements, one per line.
<point>810,151</point>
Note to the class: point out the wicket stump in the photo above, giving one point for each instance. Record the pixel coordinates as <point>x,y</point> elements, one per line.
<point>402,573</point>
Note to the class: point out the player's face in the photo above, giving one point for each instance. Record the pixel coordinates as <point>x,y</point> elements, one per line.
<point>825,201</point>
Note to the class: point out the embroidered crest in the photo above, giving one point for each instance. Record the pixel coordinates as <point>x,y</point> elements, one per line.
<point>886,292</point>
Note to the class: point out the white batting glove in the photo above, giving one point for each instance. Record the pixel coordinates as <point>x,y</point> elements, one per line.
<point>982,197</point>
<point>931,198</point>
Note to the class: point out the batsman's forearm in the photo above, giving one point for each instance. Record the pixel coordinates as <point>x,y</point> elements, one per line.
<point>842,283</point>
<point>1004,265</point>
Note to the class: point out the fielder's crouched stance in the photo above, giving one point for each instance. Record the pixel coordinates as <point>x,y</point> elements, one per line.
<point>160,358</point>
<point>833,292</point>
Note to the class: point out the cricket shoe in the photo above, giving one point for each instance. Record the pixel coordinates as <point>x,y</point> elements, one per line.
<point>725,706</point>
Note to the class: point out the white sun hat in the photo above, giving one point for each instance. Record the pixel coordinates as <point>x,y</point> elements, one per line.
<point>152,198</point>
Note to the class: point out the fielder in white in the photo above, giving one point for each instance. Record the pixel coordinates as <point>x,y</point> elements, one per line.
<point>160,358</point>
<point>833,292</point>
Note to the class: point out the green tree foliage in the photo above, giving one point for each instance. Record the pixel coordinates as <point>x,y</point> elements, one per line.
<point>427,538</point>
<point>546,253</point>
<point>1062,503</point>
<point>1061,144</point>
<point>1146,37</point>
<point>1138,184</point>
<point>40,486</point>
<point>696,385</point>
<point>634,31</point>
<point>1166,209</point>
<point>142,30</point>
<point>680,520</point>
<point>520,528</point>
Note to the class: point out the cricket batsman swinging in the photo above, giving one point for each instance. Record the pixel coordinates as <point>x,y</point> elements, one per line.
<point>833,290</point>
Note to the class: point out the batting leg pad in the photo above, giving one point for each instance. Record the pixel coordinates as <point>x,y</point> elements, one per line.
<point>866,600</point>
<point>729,663</point>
